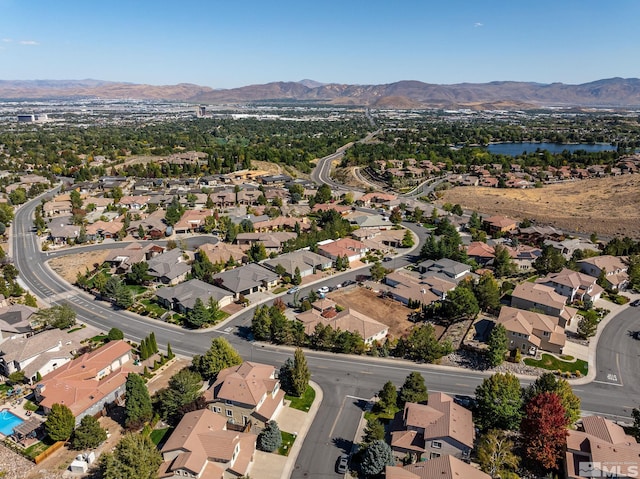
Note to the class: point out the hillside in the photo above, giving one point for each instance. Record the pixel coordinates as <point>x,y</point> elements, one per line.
<point>614,92</point>
<point>584,206</point>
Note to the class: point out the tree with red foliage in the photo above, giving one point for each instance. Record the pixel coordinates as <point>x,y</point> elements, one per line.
<point>544,430</point>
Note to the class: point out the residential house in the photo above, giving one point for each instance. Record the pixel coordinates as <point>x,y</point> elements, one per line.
<point>246,279</point>
<point>445,467</point>
<point>370,199</point>
<point>153,225</point>
<point>282,223</point>
<point>56,208</point>
<point>600,448</point>
<point>524,256</point>
<point>88,383</point>
<point>272,241</point>
<point>349,247</point>
<point>103,229</point>
<point>247,393</point>
<point>573,285</point>
<point>365,220</point>
<point>17,319</point>
<point>480,252</point>
<point>122,258</point>
<point>405,286</point>
<point>192,221</point>
<point>429,431</point>
<point>306,262</point>
<point>348,319</point>
<point>530,331</point>
<point>499,224</point>
<point>342,209</point>
<point>221,252</point>
<point>568,246</point>
<point>182,297</point>
<point>134,202</point>
<point>615,268</point>
<point>446,269</point>
<point>62,230</point>
<point>38,354</point>
<point>533,296</point>
<point>202,446</point>
<point>170,267</point>
<point>537,234</point>
<point>376,239</point>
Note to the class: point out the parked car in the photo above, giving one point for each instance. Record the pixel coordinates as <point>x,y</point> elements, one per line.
<point>295,289</point>
<point>338,286</point>
<point>348,282</point>
<point>323,290</point>
<point>387,259</point>
<point>343,464</point>
<point>635,303</point>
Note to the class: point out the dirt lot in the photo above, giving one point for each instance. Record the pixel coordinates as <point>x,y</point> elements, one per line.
<point>387,311</point>
<point>70,265</point>
<point>607,206</point>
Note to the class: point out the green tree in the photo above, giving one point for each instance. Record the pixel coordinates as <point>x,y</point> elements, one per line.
<point>174,212</point>
<point>495,454</point>
<point>139,273</point>
<point>60,423</point>
<point>270,438</point>
<point>115,334</point>
<point>76,199</point>
<point>487,293</point>
<point>588,324</point>
<point>294,375</point>
<point>135,457</point>
<point>198,316</point>
<point>257,252</point>
<point>550,261</point>
<point>324,194</point>
<point>373,431</point>
<point>89,434</point>
<point>219,356</point>
<point>261,324</point>
<point>396,216</point>
<point>183,390</point>
<point>170,354</point>
<point>407,239</point>
<point>498,345</point>
<point>499,402</point>
<point>376,457</point>
<point>18,196</point>
<point>503,265</point>
<point>152,341</point>
<point>123,297</point>
<point>59,316</point>
<point>422,345</point>
<point>297,278</point>
<point>30,300</point>
<point>387,398</point>
<point>6,213</point>
<point>475,221</point>
<point>413,390</point>
<point>460,304</point>
<point>550,383</point>
<point>137,408</point>
<point>377,271</point>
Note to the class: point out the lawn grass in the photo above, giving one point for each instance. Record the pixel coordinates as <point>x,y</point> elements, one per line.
<point>554,364</point>
<point>4,387</point>
<point>304,402</point>
<point>158,434</point>
<point>39,447</point>
<point>152,307</point>
<point>287,441</point>
<point>99,338</point>
<point>136,289</point>
<point>282,289</point>
<point>382,416</point>
<point>29,406</point>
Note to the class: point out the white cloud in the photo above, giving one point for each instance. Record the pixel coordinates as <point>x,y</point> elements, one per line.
<point>7,40</point>
<point>478,24</point>
<point>29,42</point>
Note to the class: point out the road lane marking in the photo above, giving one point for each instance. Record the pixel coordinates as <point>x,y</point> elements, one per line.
<point>609,383</point>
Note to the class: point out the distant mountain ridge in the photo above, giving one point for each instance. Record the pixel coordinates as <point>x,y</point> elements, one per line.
<point>612,92</point>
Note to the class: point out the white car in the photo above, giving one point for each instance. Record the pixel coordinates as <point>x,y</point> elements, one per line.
<point>323,290</point>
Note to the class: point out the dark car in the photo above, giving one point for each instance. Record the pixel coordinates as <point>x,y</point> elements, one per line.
<point>635,303</point>
<point>387,258</point>
<point>348,282</point>
<point>465,401</point>
<point>343,464</point>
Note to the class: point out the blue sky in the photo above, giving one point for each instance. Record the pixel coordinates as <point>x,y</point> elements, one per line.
<point>232,43</point>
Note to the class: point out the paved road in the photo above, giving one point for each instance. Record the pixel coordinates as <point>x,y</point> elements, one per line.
<point>343,379</point>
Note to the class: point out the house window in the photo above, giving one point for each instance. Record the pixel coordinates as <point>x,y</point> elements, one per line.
<point>217,409</point>
<point>436,445</point>
<point>229,413</point>
<point>228,403</point>
<point>434,455</point>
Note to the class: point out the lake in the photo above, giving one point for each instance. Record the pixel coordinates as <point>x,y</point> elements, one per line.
<point>514,149</point>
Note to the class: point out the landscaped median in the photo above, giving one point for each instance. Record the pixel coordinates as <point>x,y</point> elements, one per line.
<point>565,364</point>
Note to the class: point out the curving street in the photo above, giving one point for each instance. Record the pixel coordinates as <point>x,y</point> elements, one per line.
<point>347,381</point>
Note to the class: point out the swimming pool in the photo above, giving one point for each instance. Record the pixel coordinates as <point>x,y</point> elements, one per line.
<point>8,421</point>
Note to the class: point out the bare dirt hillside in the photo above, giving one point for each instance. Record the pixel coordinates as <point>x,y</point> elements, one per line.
<point>69,266</point>
<point>607,206</point>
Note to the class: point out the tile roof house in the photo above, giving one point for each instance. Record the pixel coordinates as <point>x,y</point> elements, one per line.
<point>222,252</point>
<point>538,296</point>
<point>439,428</point>
<point>480,252</point>
<point>103,229</point>
<point>272,241</point>
<point>134,202</point>
<point>307,262</point>
<point>616,268</point>
<point>568,246</point>
<point>247,393</point>
<point>445,467</point>
<point>349,247</point>
<point>348,319</point>
<point>88,383</point>
<point>530,332</point>
<point>170,267</point>
<point>191,221</point>
<point>600,448</point>
<point>39,353</point>
<point>123,258</point>
<point>573,285</point>
<point>445,268</point>
<point>202,446</point>
<point>499,224</point>
<point>523,256</point>
<point>405,286</point>
<point>182,297</point>
<point>246,279</point>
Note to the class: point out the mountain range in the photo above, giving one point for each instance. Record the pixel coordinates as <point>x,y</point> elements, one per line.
<point>608,93</point>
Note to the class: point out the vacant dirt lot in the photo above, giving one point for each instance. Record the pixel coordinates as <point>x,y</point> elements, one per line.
<point>387,311</point>
<point>607,206</point>
<point>70,265</point>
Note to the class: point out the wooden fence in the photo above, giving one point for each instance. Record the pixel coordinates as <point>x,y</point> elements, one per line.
<point>43,455</point>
